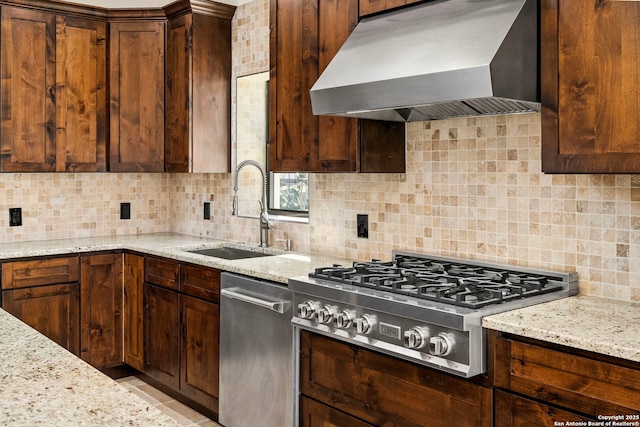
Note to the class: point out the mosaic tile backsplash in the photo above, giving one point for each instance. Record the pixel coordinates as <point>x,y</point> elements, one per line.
<point>58,206</point>
<point>473,189</point>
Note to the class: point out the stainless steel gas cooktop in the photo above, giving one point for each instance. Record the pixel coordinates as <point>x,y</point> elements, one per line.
<point>422,308</point>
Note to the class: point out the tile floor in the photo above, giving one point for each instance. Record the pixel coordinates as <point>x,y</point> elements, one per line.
<point>181,413</point>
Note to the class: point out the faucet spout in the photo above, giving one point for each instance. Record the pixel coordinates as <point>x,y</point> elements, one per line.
<point>265,224</point>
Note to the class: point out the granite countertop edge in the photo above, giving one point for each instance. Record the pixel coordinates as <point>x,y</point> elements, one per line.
<point>600,325</point>
<point>278,268</point>
<point>44,384</point>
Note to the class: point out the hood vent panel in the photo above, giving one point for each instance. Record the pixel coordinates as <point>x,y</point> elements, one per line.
<point>440,59</point>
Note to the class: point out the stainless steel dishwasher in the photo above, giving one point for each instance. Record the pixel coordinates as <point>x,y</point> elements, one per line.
<point>256,353</point>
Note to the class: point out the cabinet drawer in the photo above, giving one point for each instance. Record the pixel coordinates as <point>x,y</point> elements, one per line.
<point>516,411</point>
<point>587,385</point>
<point>382,390</point>
<point>162,272</point>
<point>23,274</point>
<point>201,282</point>
<point>313,414</point>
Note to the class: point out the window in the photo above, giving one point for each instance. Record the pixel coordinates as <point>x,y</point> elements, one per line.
<point>289,193</point>
<point>288,196</point>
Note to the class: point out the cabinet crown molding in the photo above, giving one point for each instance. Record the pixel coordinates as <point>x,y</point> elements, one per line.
<point>204,7</point>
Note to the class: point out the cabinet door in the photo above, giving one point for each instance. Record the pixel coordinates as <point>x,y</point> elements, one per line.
<point>590,86</point>
<point>28,90</point>
<point>515,411</point>
<point>133,311</point>
<point>52,310</point>
<point>198,96</point>
<point>368,7</point>
<point>305,36</point>
<point>161,335</point>
<point>136,55</point>
<point>293,129</point>
<point>315,414</point>
<point>337,145</point>
<point>179,94</point>
<point>200,348</point>
<point>81,95</point>
<point>101,309</point>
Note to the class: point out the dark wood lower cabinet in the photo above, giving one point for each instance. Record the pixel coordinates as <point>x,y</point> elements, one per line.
<point>386,391</point>
<point>575,380</point>
<point>199,351</point>
<point>516,411</point>
<point>133,316</point>
<point>182,329</point>
<point>101,309</point>
<point>52,310</point>
<point>161,336</point>
<point>316,414</point>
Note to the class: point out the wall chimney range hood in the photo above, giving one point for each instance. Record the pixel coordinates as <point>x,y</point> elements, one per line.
<point>440,59</point>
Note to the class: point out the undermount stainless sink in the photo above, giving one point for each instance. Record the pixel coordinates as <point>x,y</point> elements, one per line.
<point>226,252</point>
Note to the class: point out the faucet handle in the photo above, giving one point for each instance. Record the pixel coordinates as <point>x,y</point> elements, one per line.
<point>287,243</point>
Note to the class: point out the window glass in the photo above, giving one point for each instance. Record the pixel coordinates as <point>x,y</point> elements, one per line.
<point>289,192</point>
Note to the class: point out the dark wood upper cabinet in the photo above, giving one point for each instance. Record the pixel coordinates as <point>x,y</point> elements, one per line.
<point>590,76</point>
<point>54,92</point>
<point>62,63</point>
<point>136,56</point>
<point>28,99</point>
<point>81,95</point>
<point>305,36</point>
<point>198,87</point>
<point>369,7</point>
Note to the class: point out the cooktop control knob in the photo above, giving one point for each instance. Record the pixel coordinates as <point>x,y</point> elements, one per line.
<point>440,345</point>
<point>345,319</point>
<point>307,310</point>
<point>416,338</point>
<point>325,314</point>
<point>365,324</point>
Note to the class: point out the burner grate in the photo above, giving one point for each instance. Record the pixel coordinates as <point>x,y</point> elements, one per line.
<point>454,283</point>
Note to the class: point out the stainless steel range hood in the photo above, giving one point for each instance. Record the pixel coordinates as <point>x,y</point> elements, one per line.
<point>444,58</point>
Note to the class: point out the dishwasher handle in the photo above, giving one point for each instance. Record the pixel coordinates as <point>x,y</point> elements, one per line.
<point>277,306</point>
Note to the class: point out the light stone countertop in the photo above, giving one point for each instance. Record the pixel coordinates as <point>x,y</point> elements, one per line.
<point>600,325</point>
<point>277,268</point>
<point>43,384</point>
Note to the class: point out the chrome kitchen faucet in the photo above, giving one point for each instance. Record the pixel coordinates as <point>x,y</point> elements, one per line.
<point>265,224</point>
